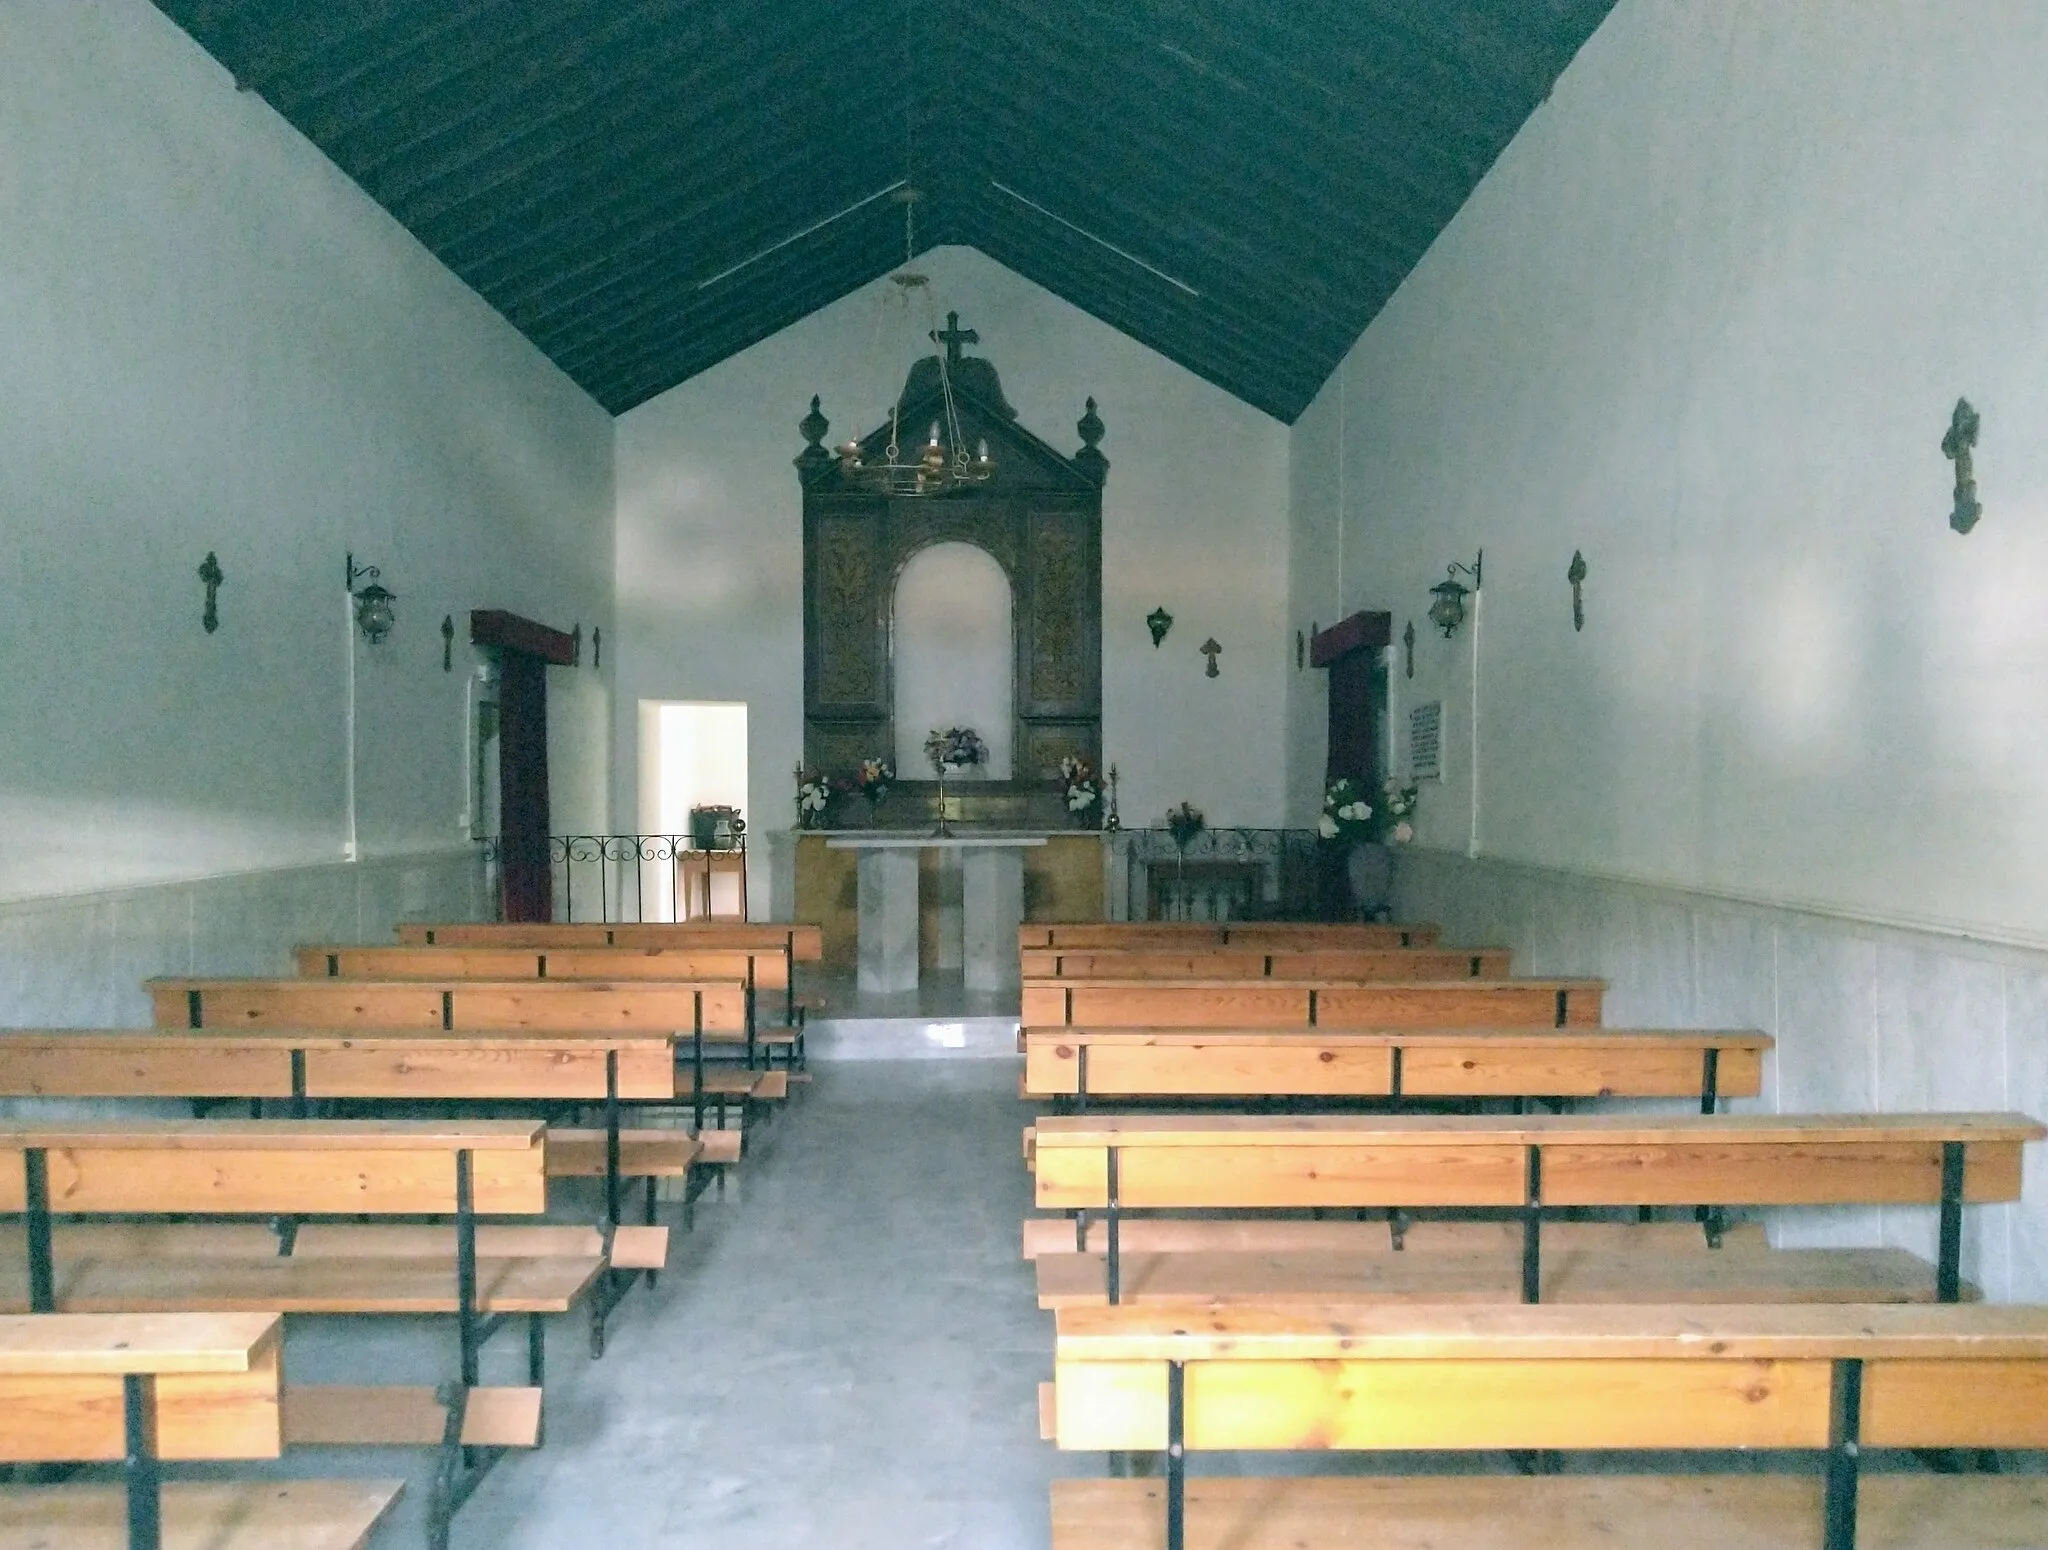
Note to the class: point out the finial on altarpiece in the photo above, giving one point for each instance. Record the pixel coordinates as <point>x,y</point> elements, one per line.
<point>1090,459</point>
<point>813,426</point>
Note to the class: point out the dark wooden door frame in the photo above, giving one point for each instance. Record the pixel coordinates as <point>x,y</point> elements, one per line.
<point>1350,652</point>
<point>525,652</point>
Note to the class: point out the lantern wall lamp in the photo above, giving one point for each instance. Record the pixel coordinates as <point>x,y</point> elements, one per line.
<point>374,615</point>
<point>1448,611</point>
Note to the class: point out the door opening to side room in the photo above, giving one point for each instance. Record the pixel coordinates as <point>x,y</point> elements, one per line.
<point>693,761</point>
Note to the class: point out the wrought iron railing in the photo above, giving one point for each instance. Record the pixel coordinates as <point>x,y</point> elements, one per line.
<point>620,877</point>
<point>1218,874</point>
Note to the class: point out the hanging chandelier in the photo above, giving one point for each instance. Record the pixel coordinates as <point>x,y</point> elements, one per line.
<point>943,462</point>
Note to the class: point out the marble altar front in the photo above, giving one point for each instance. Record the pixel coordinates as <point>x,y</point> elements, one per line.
<point>991,874</point>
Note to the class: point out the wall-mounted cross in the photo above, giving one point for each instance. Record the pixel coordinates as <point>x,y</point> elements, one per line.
<point>953,336</point>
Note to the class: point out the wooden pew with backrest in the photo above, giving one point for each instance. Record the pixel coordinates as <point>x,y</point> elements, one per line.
<point>692,1011</point>
<point>1322,963</point>
<point>1077,1065</point>
<point>1839,1382</point>
<point>299,1070</point>
<point>1194,935</point>
<point>141,1390</point>
<point>757,968</point>
<point>288,1170</point>
<point>799,942</point>
<point>1527,1168</point>
<point>1260,1003</point>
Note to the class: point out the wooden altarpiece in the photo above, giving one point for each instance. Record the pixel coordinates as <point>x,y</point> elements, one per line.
<point>1039,516</point>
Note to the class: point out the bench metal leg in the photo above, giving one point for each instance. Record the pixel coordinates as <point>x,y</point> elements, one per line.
<point>611,1136</point>
<point>1176,1456</point>
<point>144,1481</point>
<point>1845,1448</point>
<point>1111,1224</point>
<point>42,1272</point>
<point>1948,1279</point>
<point>465,1267</point>
<point>1532,1229</point>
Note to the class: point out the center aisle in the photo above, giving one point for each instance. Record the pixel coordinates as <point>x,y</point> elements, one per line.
<point>845,1353</point>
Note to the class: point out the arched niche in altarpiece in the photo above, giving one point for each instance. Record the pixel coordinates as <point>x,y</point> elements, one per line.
<point>1039,516</point>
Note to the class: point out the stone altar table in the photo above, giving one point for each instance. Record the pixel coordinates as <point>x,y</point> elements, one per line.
<point>991,905</point>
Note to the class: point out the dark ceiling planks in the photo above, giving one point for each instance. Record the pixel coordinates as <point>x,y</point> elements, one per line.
<point>587,165</point>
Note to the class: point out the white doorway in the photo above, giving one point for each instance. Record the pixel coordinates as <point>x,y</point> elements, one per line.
<point>693,754</point>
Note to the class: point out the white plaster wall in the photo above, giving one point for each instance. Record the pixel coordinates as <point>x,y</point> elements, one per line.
<point>1705,321</point>
<point>1194,517</point>
<point>211,340</point>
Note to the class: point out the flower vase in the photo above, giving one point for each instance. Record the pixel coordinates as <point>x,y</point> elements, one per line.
<point>1369,871</point>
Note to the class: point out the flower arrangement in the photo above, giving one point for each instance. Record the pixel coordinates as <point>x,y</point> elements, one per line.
<point>1350,819</point>
<point>873,779</point>
<point>1081,788</point>
<point>1184,823</point>
<point>813,795</point>
<point>954,748</point>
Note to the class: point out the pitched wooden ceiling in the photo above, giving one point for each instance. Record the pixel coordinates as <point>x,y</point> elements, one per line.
<point>645,187</point>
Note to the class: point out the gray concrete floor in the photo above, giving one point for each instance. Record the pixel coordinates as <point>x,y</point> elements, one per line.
<point>847,1354</point>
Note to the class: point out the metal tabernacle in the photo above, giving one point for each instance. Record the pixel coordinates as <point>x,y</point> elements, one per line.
<point>139,1465</point>
<point>1948,1266</point>
<point>1176,1455</point>
<point>1110,1224</point>
<point>1532,1229</point>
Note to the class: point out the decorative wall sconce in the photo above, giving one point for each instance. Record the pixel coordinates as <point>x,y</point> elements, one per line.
<point>1448,611</point>
<point>576,645</point>
<point>597,647</point>
<point>1408,646</point>
<point>448,643</point>
<point>1300,651</point>
<point>1210,649</point>
<point>1957,447</point>
<point>212,576</point>
<point>374,615</point>
<point>1159,621</point>
<point>1576,575</point>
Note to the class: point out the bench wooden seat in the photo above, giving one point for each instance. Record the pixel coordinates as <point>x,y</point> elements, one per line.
<point>765,968</point>
<point>350,1240</point>
<point>1583,1512</point>
<point>1091,1063</point>
<point>805,942</point>
<point>1045,1235</point>
<point>1280,935</point>
<point>201,1515</point>
<point>1839,1380</point>
<point>142,1390</point>
<point>1334,963</point>
<point>1528,1166</point>
<point>451,1005</point>
<point>334,1415</point>
<point>1342,1004</point>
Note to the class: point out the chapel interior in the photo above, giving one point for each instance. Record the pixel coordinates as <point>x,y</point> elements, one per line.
<point>1406,634</point>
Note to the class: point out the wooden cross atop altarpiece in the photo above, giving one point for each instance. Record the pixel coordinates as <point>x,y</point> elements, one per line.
<point>953,336</point>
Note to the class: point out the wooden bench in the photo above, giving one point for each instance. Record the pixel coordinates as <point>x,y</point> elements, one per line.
<point>1530,1167</point>
<point>1192,935</point>
<point>756,968</point>
<point>143,1389</point>
<point>799,942</point>
<point>1256,1003</point>
<point>299,1068</point>
<point>1835,1381</point>
<point>697,1011</point>
<point>289,1169</point>
<point>1328,963</point>
<point>1076,1065</point>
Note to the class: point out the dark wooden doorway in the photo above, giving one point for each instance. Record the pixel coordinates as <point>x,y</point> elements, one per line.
<point>1353,654</point>
<point>525,650</point>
